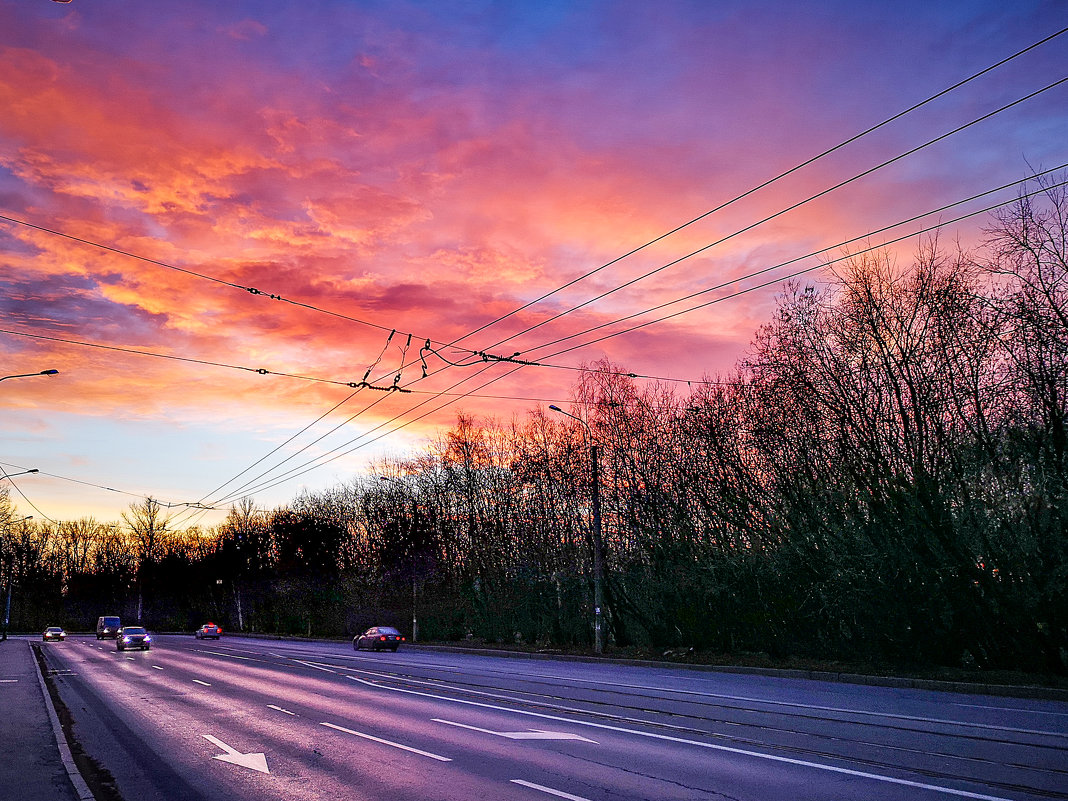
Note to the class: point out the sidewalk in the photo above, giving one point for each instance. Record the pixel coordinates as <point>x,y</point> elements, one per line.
<point>31,768</point>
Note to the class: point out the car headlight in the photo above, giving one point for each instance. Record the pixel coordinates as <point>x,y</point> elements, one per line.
<point>147,638</point>
<point>125,639</point>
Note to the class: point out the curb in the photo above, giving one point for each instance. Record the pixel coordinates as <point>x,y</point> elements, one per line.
<point>80,787</point>
<point>1005,690</point>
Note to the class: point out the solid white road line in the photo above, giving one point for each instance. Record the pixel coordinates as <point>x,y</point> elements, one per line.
<point>387,742</point>
<point>699,744</point>
<point>549,790</point>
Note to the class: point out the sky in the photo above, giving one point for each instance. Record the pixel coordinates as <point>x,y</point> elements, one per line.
<point>213,215</point>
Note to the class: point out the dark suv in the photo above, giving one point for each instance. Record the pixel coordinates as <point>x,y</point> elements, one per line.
<point>133,637</point>
<point>107,627</point>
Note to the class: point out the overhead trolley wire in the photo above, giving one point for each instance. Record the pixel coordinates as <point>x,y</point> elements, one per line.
<point>812,254</point>
<point>767,182</point>
<point>333,455</point>
<point>724,205</point>
<point>780,213</point>
<point>779,279</point>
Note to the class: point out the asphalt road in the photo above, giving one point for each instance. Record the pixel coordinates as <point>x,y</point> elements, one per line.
<point>261,719</point>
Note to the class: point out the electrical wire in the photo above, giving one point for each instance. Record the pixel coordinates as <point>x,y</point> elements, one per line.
<point>335,454</point>
<point>780,265</point>
<point>518,366</point>
<point>780,213</point>
<point>769,181</point>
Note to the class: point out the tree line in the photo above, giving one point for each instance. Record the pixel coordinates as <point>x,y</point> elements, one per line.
<point>883,477</point>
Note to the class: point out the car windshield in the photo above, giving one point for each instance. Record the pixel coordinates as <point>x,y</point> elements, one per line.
<point>54,628</point>
<point>132,630</point>
<point>111,621</point>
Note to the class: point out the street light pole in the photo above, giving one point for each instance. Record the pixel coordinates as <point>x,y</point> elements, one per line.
<point>595,535</point>
<point>7,606</point>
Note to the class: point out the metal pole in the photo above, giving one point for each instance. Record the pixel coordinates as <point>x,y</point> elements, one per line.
<point>598,554</point>
<point>7,609</point>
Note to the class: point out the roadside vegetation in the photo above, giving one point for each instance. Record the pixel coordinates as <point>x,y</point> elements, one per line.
<point>882,482</point>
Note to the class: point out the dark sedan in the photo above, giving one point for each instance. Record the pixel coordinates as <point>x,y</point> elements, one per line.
<point>133,637</point>
<point>377,638</point>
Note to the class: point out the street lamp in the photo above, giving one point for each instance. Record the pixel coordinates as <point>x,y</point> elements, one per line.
<point>12,475</point>
<point>598,542</point>
<point>30,375</point>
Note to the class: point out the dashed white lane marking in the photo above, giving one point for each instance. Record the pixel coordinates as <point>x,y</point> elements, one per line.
<point>438,757</point>
<point>279,709</point>
<point>313,665</point>
<point>549,790</point>
<point>157,667</point>
<point>533,734</point>
<point>198,681</point>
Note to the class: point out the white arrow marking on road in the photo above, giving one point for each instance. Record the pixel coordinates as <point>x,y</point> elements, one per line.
<point>235,757</point>
<point>533,734</point>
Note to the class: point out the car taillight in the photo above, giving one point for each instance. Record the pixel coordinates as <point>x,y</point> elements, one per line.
<point>218,631</point>
<point>382,638</point>
<point>402,639</point>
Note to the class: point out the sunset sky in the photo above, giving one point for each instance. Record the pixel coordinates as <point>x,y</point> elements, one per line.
<point>428,168</point>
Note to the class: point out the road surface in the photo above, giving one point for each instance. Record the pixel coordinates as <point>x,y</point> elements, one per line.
<point>247,719</point>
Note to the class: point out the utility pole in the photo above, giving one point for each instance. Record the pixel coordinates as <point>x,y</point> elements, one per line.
<point>595,535</point>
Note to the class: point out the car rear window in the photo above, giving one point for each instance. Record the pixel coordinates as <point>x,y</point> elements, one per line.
<point>387,630</point>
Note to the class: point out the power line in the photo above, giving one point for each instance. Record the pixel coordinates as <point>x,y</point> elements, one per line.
<point>943,92</point>
<point>812,254</point>
<point>206,277</point>
<point>333,455</point>
<point>768,182</point>
<point>747,290</point>
<point>780,213</point>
